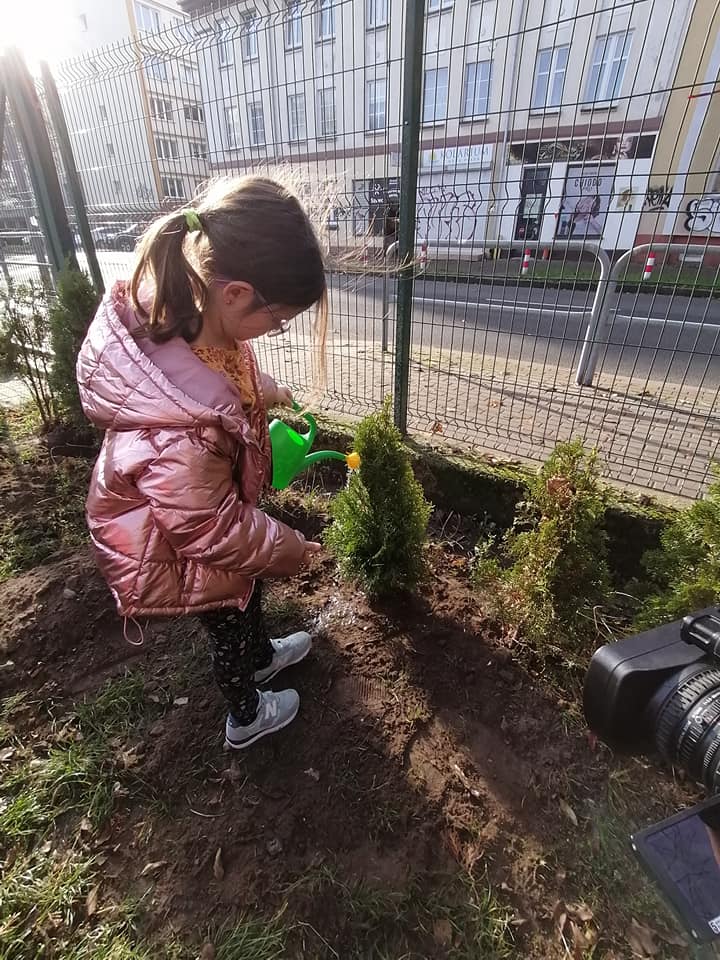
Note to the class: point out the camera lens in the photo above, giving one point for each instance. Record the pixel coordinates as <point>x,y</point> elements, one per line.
<point>685,715</point>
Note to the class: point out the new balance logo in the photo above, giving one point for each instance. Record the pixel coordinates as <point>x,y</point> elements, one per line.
<point>271,709</point>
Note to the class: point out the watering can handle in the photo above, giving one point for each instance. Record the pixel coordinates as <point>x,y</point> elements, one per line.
<point>310,419</point>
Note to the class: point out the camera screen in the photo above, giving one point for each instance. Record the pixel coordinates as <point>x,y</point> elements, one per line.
<point>689,851</point>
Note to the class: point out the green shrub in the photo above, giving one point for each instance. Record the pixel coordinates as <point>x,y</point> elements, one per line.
<point>381,517</point>
<point>685,571</point>
<point>550,570</point>
<point>24,336</point>
<point>70,316</point>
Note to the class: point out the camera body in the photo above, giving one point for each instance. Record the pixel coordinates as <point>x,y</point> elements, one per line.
<point>662,688</point>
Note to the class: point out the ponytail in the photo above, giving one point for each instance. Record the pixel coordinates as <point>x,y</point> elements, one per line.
<point>180,293</point>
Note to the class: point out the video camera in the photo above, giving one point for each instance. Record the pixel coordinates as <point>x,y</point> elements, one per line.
<point>661,689</point>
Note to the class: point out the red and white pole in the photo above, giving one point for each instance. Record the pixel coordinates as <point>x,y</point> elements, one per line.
<point>526,263</point>
<point>647,272</point>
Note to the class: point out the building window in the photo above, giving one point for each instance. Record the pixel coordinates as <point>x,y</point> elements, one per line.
<point>226,53</point>
<point>326,20</point>
<point>608,66</point>
<point>257,123</point>
<point>377,13</point>
<point>197,149</point>
<point>102,111</point>
<point>476,92</point>
<point>434,6</point>
<point>160,109</point>
<point>232,128</point>
<point>172,188</point>
<point>376,104</point>
<point>157,68</point>
<point>550,71</point>
<point>293,26</point>
<point>193,112</point>
<point>191,73</point>
<point>326,112</point>
<point>296,116</point>
<point>249,36</point>
<point>435,95</point>
<point>166,149</point>
<point>110,150</point>
<point>148,19</point>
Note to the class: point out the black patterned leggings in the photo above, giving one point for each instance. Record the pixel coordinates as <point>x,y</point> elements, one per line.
<point>239,645</point>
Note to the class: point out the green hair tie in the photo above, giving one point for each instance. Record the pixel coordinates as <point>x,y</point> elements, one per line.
<point>192,220</point>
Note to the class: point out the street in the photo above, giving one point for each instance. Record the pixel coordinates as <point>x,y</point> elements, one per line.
<point>650,338</point>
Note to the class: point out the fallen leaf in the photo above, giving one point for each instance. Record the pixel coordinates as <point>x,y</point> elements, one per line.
<point>91,901</point>
<point>443,932</point>
<point>86,825</point>
<point>207,952</point>
<point>578,942</point>
<point>581,911</point>
<point>673,939</point>
<point>437,427</point>
<point>218,868</point>
<point>181,701</point>
<point>232,773</point>
<point>313,774</point>
<point>566,809</point>
<point>6,754</point>
<point>641,940</point>
<point>152,867</point>
<point>274,847</point>
<point>465,781</point>
<point>560,916</point>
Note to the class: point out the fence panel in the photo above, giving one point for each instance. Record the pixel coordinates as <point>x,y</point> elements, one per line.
<point>544,127</point>
<point>309,94</point>
<point>582,121</point>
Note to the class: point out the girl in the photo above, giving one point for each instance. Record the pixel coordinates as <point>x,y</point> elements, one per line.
<point>168,372</point>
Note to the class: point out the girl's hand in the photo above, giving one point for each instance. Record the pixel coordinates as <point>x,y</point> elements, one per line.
<point>283,395</point>
<point>310,548</point>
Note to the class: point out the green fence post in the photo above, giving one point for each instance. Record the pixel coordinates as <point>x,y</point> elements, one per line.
<point>30,124</point>
<point>412,96</point>
<point>57,118</point>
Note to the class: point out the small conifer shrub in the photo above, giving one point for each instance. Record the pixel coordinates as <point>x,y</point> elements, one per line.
<point>381,517</point>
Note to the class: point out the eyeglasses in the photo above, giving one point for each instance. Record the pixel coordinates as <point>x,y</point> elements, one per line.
<point>281,325</point>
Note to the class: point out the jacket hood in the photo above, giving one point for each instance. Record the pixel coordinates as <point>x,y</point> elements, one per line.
<point>128,382</point>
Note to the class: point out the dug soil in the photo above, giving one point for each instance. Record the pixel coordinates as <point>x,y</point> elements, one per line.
<point>424,749</point>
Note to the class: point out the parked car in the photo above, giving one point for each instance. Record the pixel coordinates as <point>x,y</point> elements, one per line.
<point>127,239</point>
<point>104,235</point>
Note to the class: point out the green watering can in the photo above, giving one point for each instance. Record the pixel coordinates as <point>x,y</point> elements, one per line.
<point>290,454</point>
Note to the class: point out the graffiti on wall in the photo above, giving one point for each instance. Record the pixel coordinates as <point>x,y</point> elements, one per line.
<point>703,215</point>
<point>658,197</point>
<point>450,213</point>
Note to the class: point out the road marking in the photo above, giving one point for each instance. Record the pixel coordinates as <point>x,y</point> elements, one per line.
<point>558,309</point>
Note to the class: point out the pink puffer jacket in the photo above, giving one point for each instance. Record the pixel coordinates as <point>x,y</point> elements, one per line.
<point>172,504</point>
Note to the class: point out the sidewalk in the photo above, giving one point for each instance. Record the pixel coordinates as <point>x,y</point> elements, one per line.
<point>661,440</point>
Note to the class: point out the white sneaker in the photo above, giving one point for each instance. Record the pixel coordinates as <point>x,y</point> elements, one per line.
<point>288,650</point>
<point>275,711</point>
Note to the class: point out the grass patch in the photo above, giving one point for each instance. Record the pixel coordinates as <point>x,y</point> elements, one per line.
<point>80,777</point>
<point>606,867</point>
<point>458,918</point>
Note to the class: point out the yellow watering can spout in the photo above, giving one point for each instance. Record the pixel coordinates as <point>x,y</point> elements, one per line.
<point>290,451</point>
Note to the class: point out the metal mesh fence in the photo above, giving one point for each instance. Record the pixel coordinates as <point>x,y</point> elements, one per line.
<point>564,147</point>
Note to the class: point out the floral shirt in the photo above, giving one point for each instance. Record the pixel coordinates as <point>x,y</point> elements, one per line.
<point>239,366</point>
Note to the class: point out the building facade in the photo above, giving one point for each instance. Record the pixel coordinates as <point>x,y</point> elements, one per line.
<point>134,110</point>
<point>540,121</point>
